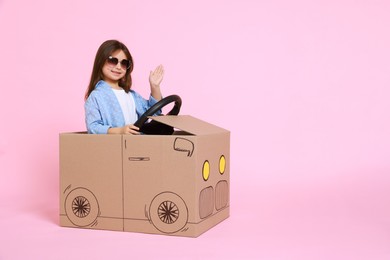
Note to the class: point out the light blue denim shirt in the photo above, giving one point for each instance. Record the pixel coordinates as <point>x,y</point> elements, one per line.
<point>102,109</point>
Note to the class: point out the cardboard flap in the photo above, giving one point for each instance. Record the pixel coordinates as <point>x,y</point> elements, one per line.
<point>189,124</point>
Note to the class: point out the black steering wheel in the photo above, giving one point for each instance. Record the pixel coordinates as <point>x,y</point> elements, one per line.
<point>155,127</point>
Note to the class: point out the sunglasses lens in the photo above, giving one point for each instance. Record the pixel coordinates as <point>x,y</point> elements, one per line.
<point>125,64</point>
<point>112,61</point>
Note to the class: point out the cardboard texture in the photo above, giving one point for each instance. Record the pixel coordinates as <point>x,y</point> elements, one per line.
<point>160,184</point>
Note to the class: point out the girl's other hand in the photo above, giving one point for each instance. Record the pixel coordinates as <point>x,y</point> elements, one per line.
<point>127,129</point>
<point>130,129</point>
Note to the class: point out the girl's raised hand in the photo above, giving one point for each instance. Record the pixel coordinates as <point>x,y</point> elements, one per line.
<point>156,76</point>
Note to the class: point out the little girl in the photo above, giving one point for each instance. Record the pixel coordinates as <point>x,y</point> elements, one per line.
<point>111,105</point>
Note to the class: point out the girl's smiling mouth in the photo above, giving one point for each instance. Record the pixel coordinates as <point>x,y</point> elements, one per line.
<point>116,72</point>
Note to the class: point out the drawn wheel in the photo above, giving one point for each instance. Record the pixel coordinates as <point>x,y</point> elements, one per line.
<point>168,212</point>
<point>81,207</point>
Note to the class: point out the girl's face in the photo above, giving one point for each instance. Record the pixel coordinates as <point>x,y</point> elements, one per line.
<point>115,68</point>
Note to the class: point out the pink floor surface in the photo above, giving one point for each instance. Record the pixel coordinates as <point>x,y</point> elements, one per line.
<point>344,220</point>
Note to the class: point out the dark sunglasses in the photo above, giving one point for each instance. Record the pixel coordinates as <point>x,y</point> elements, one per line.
<point>112,61</point>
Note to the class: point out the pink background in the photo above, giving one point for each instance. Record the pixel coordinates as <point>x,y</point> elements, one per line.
<point>310,181</point>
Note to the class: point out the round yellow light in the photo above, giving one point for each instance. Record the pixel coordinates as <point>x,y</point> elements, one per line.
<point>222,164</point>
<point>206,170</point>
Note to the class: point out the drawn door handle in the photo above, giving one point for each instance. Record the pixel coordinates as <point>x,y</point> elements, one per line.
<point>139,158</point>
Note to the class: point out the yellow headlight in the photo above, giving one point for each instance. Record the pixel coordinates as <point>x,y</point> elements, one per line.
<point>206,170</point>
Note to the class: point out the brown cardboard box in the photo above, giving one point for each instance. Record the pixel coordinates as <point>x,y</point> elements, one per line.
<point>162,184</point>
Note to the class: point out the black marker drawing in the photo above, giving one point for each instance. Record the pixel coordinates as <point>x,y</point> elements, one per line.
<point>184,145</point>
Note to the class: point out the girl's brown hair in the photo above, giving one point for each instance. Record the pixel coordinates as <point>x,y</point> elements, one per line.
<point>105,50</point>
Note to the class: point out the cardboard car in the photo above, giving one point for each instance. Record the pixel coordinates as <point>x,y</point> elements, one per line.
<point>172,184</point>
